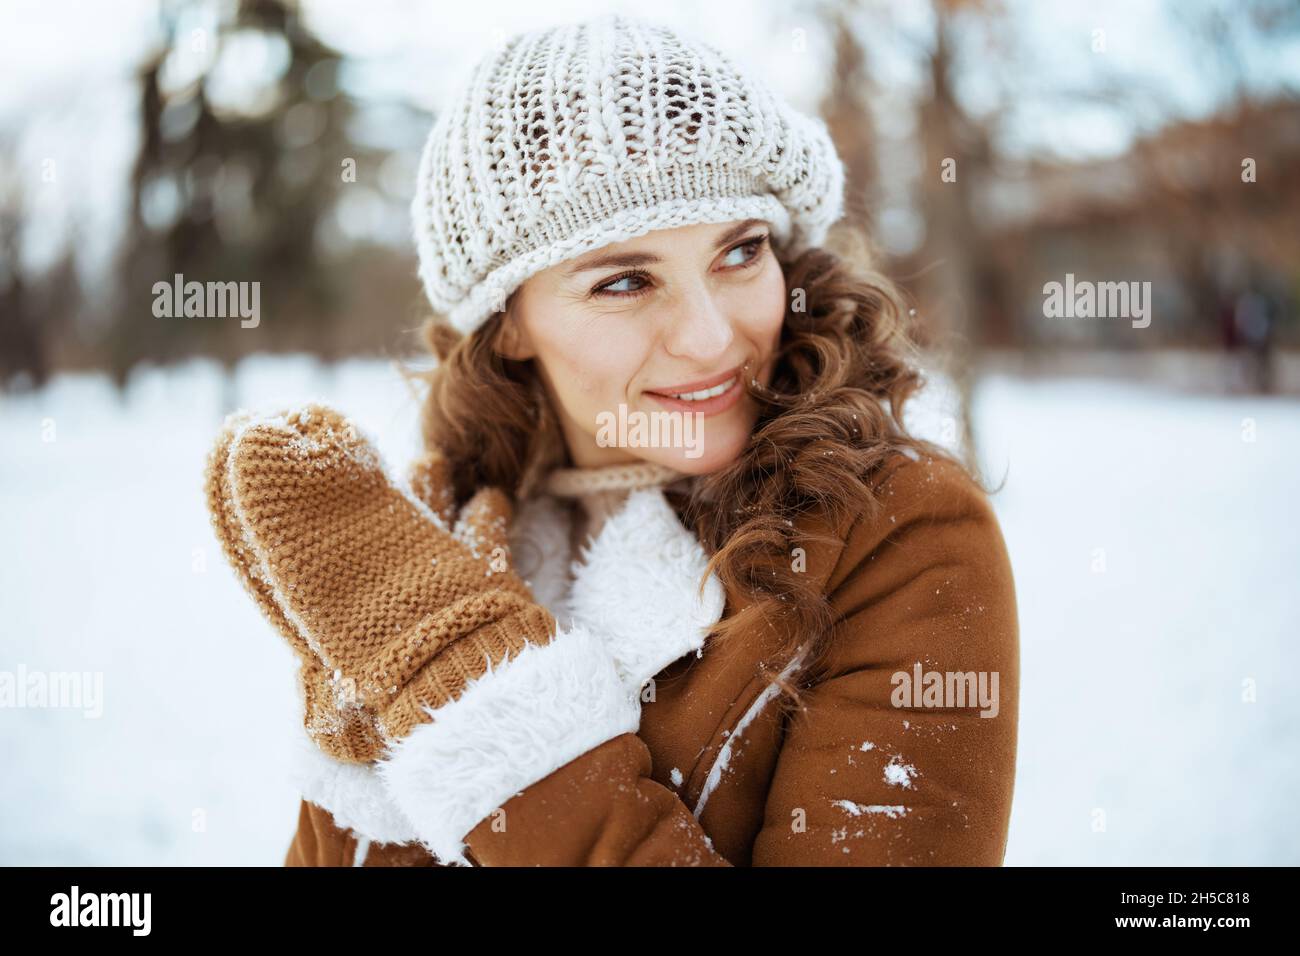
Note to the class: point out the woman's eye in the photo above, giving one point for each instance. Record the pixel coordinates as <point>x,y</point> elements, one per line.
<point>618,288</point>
<point>612,286</point>
<point>749,251</point>
<point>744,252</point>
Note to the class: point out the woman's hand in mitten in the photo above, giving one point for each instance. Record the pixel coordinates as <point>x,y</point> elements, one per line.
<point>331,715</point>
<point>337,714</point>
<point>637,585</point>
<point>471,693</point>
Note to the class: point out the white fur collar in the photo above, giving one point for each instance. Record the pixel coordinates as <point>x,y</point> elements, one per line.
<point>540,549</point>
<point>638,585</point>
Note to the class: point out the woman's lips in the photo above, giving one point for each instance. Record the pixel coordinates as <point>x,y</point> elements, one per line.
<point>706,406</point>
<point>700,384</point>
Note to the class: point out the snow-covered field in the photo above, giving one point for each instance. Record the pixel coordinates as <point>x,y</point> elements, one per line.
<point>1155,549</point>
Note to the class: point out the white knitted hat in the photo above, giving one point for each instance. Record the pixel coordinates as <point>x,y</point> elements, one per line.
<point>585,134</point>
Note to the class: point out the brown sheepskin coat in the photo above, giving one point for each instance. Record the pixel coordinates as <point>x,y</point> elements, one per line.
<point>878,769</point>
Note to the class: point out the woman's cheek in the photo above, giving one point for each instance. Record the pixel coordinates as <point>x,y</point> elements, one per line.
<point>776,299</point>
<point>570,360</point>
<point>591,381</point>
<point>763,307</point>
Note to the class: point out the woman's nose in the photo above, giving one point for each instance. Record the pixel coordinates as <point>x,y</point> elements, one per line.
<point>699,328</point>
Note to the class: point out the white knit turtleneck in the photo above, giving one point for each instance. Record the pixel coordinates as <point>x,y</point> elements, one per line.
<point>600,490</point>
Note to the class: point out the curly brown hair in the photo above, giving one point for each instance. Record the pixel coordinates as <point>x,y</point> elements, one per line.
<point>828,422</point>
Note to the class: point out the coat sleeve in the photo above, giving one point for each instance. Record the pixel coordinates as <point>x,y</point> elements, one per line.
<point>602,809</point>
<point>537,763</point>
<point>875,770</point>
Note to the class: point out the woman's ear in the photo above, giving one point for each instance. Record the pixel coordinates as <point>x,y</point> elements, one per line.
<point>512,338</point>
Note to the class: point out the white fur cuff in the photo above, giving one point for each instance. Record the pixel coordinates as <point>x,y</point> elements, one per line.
<point>353,793</point>
<point>509,729</point>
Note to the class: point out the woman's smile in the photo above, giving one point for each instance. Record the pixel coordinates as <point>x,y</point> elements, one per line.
<point>707,396</point>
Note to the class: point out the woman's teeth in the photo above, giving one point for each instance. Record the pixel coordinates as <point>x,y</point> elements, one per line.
<point>708,392</point>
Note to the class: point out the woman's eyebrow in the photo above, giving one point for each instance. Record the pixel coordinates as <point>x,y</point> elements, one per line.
<point>630,259</point>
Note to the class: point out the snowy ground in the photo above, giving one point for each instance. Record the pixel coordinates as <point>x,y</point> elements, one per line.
<point>1155,552</point>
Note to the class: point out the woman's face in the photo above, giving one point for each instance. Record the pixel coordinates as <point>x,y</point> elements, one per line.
<point>619,330</point>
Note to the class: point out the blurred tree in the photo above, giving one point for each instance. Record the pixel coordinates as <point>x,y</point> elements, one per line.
<point>846,107</point>
<point>35,310</point>
<point>22,347</point>
<point>242,158</point>
<point>957,162</point>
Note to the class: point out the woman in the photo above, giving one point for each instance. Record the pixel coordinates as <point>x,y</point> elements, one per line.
<point>672,585</point>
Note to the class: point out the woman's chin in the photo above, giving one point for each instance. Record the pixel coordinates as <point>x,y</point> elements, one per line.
<point>708,453</point>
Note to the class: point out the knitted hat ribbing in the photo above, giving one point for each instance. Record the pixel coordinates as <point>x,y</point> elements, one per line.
<point>578,136</point>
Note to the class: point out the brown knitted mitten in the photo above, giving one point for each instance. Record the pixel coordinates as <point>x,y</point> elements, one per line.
<point>424,655</point>
<point>331,716</point>
<point>390,609</point>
